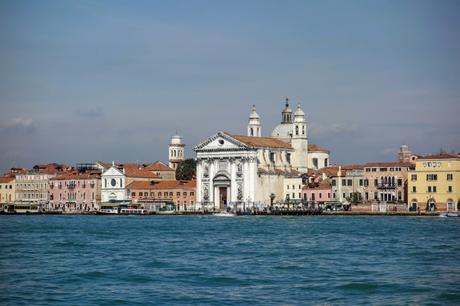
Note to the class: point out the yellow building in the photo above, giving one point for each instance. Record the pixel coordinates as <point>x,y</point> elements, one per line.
<point>7,190</point>
<point>434,185</point>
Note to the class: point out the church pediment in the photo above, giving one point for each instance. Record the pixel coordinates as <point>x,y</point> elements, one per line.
<point>112,171</point>
<point>221,142</point>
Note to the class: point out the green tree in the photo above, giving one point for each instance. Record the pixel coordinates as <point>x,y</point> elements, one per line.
<point>186,170</point>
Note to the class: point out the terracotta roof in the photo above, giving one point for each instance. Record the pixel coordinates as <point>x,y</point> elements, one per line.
<point>316,148</point>
<point>261,142</point>
<point>162,185</point>
<point>135,172</point>
<point>440,156</point>
<point>78,176</point>
<point>322,185</point>
<point>6,179</point>
<point>388,164</point>
<point>158,166</point>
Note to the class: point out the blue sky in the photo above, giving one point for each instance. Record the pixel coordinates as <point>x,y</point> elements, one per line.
<point>114,80</point>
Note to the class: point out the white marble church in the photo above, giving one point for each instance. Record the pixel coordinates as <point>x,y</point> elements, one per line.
<point>248,171</point>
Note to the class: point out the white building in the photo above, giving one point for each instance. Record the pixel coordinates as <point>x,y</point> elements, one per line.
<point>113,182</point>
<point>248,171</point>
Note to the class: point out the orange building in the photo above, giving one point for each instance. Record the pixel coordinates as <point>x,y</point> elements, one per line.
<point>182,193</point>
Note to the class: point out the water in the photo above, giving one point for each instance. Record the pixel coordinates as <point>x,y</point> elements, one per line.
<point>115,260</point>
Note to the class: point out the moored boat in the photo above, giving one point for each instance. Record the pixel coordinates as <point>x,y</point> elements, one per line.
<point>449,215</point>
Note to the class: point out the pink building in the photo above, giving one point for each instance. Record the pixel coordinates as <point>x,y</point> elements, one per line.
<point>75,191</point>
<point>317,193</point>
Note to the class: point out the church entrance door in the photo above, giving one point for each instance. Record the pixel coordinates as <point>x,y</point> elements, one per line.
<point>223,197</point>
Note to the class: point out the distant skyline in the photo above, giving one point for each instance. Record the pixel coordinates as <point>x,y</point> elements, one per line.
<point>83,81</point>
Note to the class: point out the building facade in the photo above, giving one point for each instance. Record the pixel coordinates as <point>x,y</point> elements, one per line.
<point>181,193</point>
<point>75,192</point>
<point>32,187</point>
<point>317,193</point>
<point>434,184</point>
<point>7,191</point>
<point>387,181</point>
<point>250,170</point>
<point>115,179</point>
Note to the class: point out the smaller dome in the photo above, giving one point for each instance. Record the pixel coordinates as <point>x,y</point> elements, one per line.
<point>299,111</point>
<point>287,109</point>
<point>254,114</point>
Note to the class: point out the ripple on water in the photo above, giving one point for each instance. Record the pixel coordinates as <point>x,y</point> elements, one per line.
<point>92,260</point>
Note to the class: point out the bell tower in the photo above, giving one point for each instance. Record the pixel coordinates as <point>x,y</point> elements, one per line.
<point>176,151</point>
<point>300,141</point>
<point>254,125</point>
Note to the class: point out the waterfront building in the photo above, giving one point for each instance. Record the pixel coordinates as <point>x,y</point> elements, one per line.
<point>293,189</point>
<point>163,171</point>
<point>32,187</point>
<point>387,181</point>
<point>115,179</point>
<point>249,171</point>
<point>176,152</point>
<point>317,194</point>
<point>181,193</point>
<point>434,184</point>
<point>76,191</point>
<point>7,191</point>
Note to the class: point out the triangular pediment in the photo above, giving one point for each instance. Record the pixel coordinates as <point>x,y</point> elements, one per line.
<point>221,141</point>
<point>113,171</point>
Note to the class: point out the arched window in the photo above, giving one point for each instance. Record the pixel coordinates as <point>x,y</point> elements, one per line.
<point>252,132</point>
<point>303,129</point>
<point>297,130</point>
<point>121,183</point>
<point>450,205</point>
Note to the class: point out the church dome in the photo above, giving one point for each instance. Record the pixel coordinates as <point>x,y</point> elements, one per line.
<point>283,131</point>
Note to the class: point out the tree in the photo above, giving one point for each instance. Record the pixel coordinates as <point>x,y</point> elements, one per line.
<point>186,170</point>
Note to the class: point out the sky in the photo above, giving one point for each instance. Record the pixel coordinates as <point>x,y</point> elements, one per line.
<point>82,81</point>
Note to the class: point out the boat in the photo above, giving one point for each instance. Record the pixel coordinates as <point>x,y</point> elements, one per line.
<point>224,214</point>
<point>133,211</point>
<point>449,215</point>
<point>108,211</point>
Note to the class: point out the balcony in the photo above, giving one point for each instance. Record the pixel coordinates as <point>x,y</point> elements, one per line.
<point>386,186</point>
<point>71,185</point>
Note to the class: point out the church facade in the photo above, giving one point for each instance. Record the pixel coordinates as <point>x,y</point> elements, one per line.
<point>241,172</point>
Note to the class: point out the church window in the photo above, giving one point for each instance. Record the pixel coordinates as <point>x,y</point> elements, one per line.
<point>326,162</point>
<point>113,182</point>
<point>297,130</point>
<point>121,183</point>
<point>288,157</point>
<point>315,163</point>
<point>272,157</point>
<point>105,183</point>
<point>303,129</point>
<point>252,132</point>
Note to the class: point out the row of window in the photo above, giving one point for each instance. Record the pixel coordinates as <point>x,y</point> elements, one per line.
<point>383,169</point>
<point>23,196</point>
<point>384,196</point>
<point>293,187</point>
<point>72,196</point>
<point>432,189</point>
<point>22,178</point>
<point>32,186</point>
<point>432,177</point>
<point>166,194</point>
<point>6,186</point>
